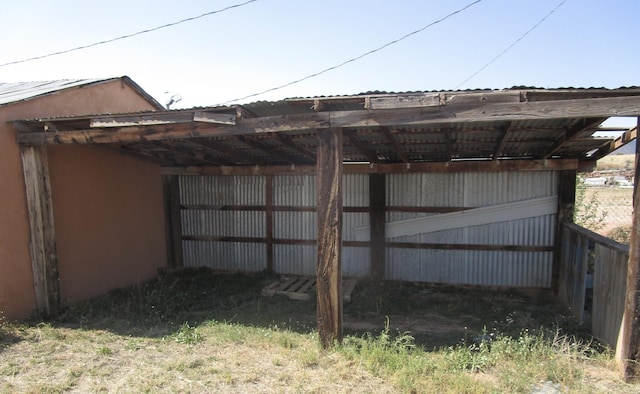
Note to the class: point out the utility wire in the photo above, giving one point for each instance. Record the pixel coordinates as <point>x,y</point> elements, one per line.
<point>355,58</point>
<point>512,45</point>
<point>128,35</point>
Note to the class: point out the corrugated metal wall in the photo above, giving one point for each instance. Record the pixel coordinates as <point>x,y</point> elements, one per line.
<point>496,268</point>
<point>499,268</point>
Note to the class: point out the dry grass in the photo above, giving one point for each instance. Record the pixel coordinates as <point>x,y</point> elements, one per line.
<point>199,331</point>
<point>616,162</point>
<point>615,203</point>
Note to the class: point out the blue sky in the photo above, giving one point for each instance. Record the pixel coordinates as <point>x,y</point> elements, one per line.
<point>585,43</point>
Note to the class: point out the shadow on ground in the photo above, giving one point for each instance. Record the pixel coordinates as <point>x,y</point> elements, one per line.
<point>435,316</point>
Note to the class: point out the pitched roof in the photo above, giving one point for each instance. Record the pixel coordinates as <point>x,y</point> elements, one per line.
<point>21,91</point>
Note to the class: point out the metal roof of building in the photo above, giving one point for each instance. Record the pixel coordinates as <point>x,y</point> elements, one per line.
<point>13,92</point>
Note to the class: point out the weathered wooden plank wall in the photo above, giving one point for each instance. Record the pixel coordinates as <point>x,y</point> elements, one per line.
<point>609,289</point>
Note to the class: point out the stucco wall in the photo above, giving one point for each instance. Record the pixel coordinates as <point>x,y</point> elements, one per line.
<point>109,219</point>
<point>17,298</point>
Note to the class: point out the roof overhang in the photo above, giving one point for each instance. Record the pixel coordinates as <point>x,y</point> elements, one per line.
<point>410,129</point>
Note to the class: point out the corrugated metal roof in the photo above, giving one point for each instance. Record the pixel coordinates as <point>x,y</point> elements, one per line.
<point>12,92</point>
<point>20,91</point>
<point>381,128</point>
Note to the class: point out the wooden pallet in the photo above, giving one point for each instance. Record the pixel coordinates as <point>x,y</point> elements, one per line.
<point>296,288</point>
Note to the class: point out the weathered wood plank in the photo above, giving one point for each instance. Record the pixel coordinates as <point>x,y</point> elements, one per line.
<point>268,202</point>
<point>42,244</point>
<point>628,353</point>
<point>329,268</point>
<point>173,221</point>
<point>378,168</point>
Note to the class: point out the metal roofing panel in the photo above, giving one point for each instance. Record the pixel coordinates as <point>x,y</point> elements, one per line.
<point>19,91</point>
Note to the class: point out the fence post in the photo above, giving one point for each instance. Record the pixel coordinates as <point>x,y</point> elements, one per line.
<point>329,269</point>
<point>628,353</point>
<point>566,206</point>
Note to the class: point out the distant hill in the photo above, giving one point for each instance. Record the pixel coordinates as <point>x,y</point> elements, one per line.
<point>628,149</point>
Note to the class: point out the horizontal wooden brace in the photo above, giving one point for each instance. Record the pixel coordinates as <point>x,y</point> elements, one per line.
<point>366,244</point>
<point>397,168</point>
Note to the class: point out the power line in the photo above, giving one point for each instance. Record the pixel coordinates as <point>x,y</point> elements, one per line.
<point>355,58</point>
<point>512,45</point>
<point>128,35</point>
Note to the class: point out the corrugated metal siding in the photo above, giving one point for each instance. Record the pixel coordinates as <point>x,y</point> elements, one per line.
<point>433,190</point>
<point>496,268</point>
<point>222,190</point>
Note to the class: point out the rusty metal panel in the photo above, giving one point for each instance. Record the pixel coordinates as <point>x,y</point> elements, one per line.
<point>609,292</point>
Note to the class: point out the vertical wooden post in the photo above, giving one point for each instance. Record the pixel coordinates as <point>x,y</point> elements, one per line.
<point>628,349</point>
<point>566,207</point>
<point>42,241</point>
<point>377,211</point>
<point>172,219</point>
<point>329,269</point>
<point>268,202</point>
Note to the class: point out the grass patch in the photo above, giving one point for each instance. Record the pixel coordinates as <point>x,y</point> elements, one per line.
<point>199,331</point>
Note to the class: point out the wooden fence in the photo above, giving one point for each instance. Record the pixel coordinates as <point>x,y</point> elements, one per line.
<point>583,252</point>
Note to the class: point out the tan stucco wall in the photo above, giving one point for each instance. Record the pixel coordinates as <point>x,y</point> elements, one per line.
<point>109,219</point>
<point>17,298</point>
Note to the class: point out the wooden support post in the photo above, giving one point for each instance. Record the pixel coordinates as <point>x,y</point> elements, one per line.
<point>268,202</point>
<point>329,269</point>
<point>42,242</point>
<point>377,211</point>
<point>172,219</point>
<point>566,207</point>
<point>628,349</point>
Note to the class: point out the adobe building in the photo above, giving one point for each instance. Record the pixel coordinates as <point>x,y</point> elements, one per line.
<point>109,229</point>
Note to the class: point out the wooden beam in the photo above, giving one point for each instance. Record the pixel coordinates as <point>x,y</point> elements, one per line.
<point>228,151</point>
<point>286,140</point>
<point>566,207</point>
<point>394,143</point>
<point>270,150</point>
<point>452,112</point>
<point>628,351</point>
<point>576,131</point>
<point>503,141</point>
<point>42,244</point>
<point>380,168</point>
<point>446,133</point>
<point>362,148</point>
<point>377,215</point>
<point>329,268</point>
<point>268,203</point>
<point>172,220</point>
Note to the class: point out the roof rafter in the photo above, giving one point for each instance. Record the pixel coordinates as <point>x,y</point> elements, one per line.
<point>353,138</point>
<point>228,151</point>
<point>267,149</point>
<point>395,144</point>
<point>503,141</point>
<point>575,131</point>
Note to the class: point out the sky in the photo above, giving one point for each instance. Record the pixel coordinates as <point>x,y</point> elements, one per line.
<point>245,50</point>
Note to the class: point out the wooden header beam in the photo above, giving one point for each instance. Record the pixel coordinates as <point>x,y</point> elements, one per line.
<point>379,168</point>
<point>451,111</point>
